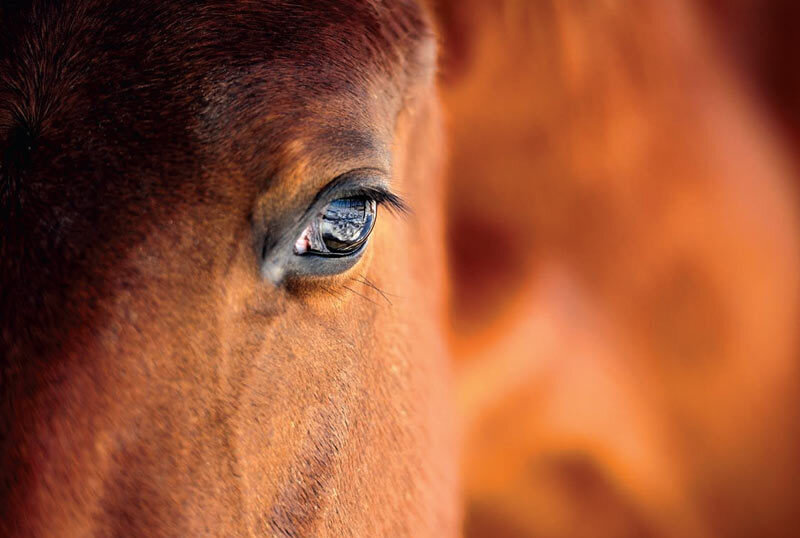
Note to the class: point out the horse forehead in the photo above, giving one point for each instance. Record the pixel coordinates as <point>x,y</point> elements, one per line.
<point>123,87</point>
<point>324,40</point>
<point>199,71</point>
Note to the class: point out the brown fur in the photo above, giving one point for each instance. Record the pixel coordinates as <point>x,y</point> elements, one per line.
<point>624,224</point>
<point>153,383</point>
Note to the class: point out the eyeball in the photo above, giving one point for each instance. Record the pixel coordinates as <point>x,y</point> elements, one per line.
<point>340,230</point>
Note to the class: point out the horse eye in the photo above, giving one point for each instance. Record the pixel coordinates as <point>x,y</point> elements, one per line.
<point>340,230</point>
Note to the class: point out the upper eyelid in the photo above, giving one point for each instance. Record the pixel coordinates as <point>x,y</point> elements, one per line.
<point>369,182</point>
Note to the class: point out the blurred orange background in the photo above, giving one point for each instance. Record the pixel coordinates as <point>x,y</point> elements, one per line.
<point>623,235</point>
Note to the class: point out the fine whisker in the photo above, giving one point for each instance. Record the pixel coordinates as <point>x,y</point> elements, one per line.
<point>330,292</point>
<point>359,294</point>
<point>372,284</point>
<point>366,282</point>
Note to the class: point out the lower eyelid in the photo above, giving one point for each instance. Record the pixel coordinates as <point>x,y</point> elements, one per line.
<point>312,265</point>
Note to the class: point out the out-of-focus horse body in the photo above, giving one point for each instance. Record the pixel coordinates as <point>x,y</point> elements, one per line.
<point>624,225</point>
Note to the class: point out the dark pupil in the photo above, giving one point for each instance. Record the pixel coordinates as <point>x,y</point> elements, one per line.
<point>346,223</point>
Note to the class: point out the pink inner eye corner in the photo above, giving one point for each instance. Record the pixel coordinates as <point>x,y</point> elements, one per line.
<point>303,243</point>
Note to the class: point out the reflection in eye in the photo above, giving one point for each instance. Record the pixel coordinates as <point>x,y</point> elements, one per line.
<point>341,229</point>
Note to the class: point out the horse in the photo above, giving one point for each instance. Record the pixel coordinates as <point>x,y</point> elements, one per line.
<point>626,334</point>
<point>222,270</point>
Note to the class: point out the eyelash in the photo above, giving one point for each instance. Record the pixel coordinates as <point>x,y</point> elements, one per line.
<point>384,198</point>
